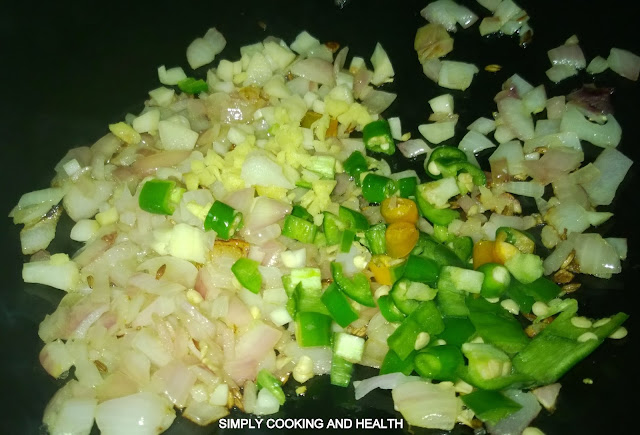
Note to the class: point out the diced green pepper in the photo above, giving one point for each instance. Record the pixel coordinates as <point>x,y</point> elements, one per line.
<point>357,288</point>
<point>313,329</point>
<point>421,269</point>
<point>355,220</point>
<point>247,273</point>
<point>223,219</point>
<point>348,237</point>
<point>427,247</point>
<point>452,303</point>
<point>341,371</point>
<point>496,280</point>
<point>520,239</point>
<point>457,330</point>
<point>392,363</point>
<point>440,160</point>
<point>375,237</point>
<point>377,137</point>
<point>193,86</point>
<point>338,306</point>
<point>439,362</point>
<point>439,216</point>
<point>355,165</point>
<point>490,406</point>
<point>407,186</point>
<point>389,310</point>
<point>301,212</point>
<point>160,196</point>
<point>299,229</point>
<point>377,188</point>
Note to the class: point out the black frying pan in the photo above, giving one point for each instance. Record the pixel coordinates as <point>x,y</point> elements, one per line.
<point>69,70</point>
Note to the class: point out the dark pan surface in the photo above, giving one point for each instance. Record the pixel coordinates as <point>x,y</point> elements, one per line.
<point>69,70</point>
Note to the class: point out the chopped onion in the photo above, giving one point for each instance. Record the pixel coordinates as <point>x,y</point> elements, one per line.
<point>203,50</point>
<point>413,148</point>
<point>378,101</point>
<point>141,413</point>
<point>547,395</point>
<point>613,167</point>
<point>455,75</point>
<point>438,132</point>
<point>260,170</point>
<point>314,69</point>
<point>624,63</point>
<point>517,117</point>
<point>595,256</point>
<point>204,413</point>
<point>482,125</point>
<point>432,406</point>
<point>382,68</point>
<point>568,54</point>
<point>385,382</point>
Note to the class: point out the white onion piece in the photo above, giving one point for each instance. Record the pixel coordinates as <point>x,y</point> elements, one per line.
<point>597,65</point>
<point>517,422</point>
<point>175,381</point>
<point>517,117</point>
<point>613,167</point>
<point>378,101</point>
<point>489,4</point>
<point>314,69</point>
<point>482,125</point>
<point>512,152</point>
<point>138,414</point>
<point>568,139</point>
<point>607,135</point>
<point>260,170</point>
<point>171,76</point>
<point>624,63</point>
<point>413,148</point>
<point>556,107</point>
<point>472,143</point>
<point>266,403</point>
<point>83,199</point>
<point>620,245</point>
<point>554,261</point>
<point>557,73</point>
<point>519,84</point>
<point>385,382</point>
<point>455,75</point>
<point>75,417</point>
<point>595,256</point>
<point>432,406</point>
<point>58,272</point>
<point>524,188</point>
<point>447,13</point>
<point>555,163</point>
<point>266,211</point>
<point>547,395</point>
<point>203,413</point>
<point>175,270</point>
<point>568,54</point>
<point>437,132</point>
<point>382,68</point>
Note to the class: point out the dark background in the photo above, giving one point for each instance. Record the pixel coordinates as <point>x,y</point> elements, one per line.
<point>67,70</point>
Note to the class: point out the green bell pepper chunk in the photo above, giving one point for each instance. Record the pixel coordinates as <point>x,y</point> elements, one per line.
<point>496,325</point>
<point>354,220</point>
<point>437,216</point>
<point>357,288</point>
<point>407,186</point>
<point>425,318</point>
<point>313,329</point>
<point>389,310</point>
<point>452,303</point>
<point>247,273</point>
<point>457,330</point>
<point>375,237</point>
<point>439,362</point>
<point>440,160</point>
<point>355,165</point>
<point>408,295</point>
<point>338,305</point>
<point>223,219</point>
<point>160,196</point>
<point>427,247</point>
<point>377,137</point>
<point>377,188</point>
<point>490,406</point>
<point>462,247</point>
<point>341,371</point>
<point>299,229</point>
<point>496,280</point>
<point>333,227</point>
<point>392,363</point>
<point>193,86</point>
<point>422,269</point>
<point>301,212</point>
